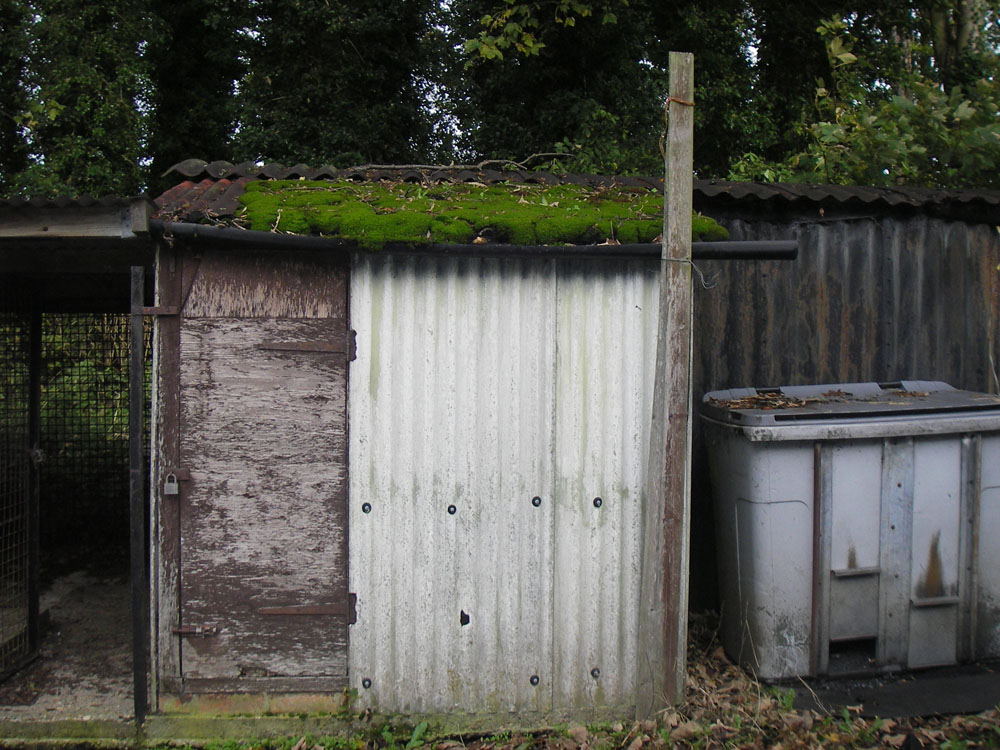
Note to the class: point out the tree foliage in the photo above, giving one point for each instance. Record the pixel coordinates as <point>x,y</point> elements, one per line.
<point>85,85</point>
<point>102,96</point>
<point>562,89</point>
<point>334,81</point>
<point>14,20</point>
<point>196,54</point>
<point>910,129</point>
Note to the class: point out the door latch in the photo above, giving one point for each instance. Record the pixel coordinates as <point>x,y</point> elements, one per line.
<point>196,631</point>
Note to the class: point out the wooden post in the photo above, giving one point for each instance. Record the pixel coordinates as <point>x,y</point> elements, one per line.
<point>666,516</point>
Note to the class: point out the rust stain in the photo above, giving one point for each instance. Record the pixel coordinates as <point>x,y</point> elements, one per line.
<point>932,585</point>
<point>852,558</point>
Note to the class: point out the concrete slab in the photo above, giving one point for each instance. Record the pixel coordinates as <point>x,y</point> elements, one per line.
<point>966,689</point>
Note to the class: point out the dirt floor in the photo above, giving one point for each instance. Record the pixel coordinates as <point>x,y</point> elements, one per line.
<point>84,665</point>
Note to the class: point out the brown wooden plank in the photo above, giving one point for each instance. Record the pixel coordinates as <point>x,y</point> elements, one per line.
<point>103,221</point>
<point>315,347</point>
<point>250,284</point>
<point>166,517</point>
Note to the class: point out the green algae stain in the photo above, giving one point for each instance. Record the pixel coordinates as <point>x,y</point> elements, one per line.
<point>375,213</point>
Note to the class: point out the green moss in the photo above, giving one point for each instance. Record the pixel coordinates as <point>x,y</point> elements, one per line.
<point>373,214</point>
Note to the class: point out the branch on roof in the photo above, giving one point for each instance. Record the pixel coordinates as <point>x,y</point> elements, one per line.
<point>523,164</point>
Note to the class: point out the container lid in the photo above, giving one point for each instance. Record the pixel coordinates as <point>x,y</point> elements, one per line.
<point>845,404</point>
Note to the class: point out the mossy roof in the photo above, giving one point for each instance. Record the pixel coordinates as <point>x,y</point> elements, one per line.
<point>378,212</point>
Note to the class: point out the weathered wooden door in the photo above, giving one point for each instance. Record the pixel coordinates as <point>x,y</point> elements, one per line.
<point>262,480</point>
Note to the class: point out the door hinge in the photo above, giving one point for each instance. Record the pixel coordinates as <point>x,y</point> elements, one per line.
<point>346,609</point>
<point>349,348</point>
<point>161,310</point>
<point>196,631</point>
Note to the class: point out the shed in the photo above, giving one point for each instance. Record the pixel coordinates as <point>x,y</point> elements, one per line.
<point>416,472</point>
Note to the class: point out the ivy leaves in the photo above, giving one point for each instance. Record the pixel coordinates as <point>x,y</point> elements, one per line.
<point>516,26</point>
<point>910,131</point>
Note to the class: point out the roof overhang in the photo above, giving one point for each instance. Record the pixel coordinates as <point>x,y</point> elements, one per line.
<point>77,256</point>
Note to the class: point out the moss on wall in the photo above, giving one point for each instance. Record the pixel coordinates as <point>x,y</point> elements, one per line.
<point>373,213</point>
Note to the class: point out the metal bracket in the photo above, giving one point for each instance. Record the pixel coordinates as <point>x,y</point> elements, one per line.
<point>183,475</point>
<point>343,609</point>
<point>349,348</point>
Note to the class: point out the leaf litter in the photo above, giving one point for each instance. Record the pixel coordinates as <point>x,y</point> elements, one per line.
<point>724,707</point>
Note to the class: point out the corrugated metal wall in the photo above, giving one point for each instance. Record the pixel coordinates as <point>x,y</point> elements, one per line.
<point>498,416</point>
<point>882,298</point>
<point>874,298</point>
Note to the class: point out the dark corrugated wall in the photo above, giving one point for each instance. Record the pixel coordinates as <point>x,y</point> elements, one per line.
<point>868,299</point>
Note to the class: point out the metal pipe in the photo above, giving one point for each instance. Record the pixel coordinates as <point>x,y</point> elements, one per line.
<point>726,250</point>
<point>137,504</point>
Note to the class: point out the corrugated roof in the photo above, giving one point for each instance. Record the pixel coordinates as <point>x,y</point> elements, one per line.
<point>213,188</point>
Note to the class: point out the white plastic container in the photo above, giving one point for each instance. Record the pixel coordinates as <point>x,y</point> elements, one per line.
<point>858,526</point>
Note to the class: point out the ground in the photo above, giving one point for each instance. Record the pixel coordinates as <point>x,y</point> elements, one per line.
<point>724,708</point>
<point>84,671</point>
<point>84,666</point>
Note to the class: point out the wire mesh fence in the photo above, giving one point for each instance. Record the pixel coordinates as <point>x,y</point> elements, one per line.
<point>84,431</point>
<point>15,385</point>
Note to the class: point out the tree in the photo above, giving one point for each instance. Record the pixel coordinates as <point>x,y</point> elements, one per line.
<point>86,86</point>
<point>197,54</point>
<point>591,78</point>
<point>957,32</point>
<point>14,23</point>
<point>911,130</point>
<point>729,115</point>
<point>581,87</point>
<point>334,82</point>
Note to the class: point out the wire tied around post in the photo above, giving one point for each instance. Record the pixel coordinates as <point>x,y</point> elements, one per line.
<point>666,120</point>
<point>663,151</point>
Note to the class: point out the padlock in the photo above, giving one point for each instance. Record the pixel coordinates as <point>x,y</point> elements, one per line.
<point>170,486</point>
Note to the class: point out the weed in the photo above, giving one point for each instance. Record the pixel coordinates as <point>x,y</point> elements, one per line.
<point>785,698</point>
<point>417,738</point>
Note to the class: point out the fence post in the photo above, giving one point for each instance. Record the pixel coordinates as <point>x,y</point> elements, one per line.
<point>666,515</point>
<point>137,499</point>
